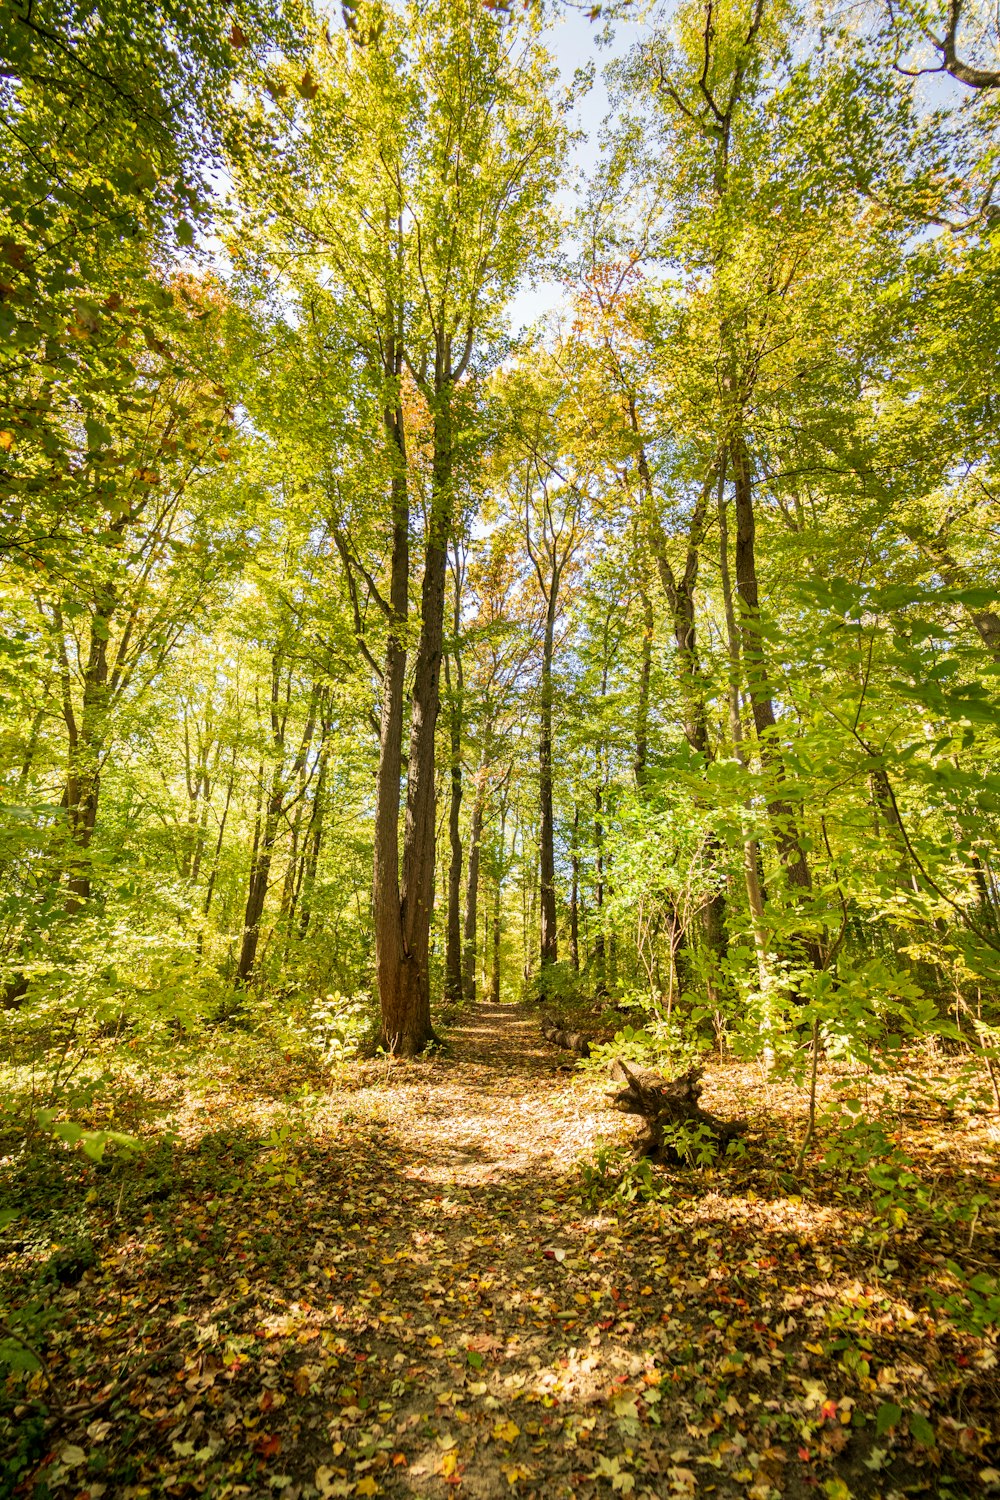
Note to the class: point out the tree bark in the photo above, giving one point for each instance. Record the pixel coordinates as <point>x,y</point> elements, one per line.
<point>751,853</point>
<point>601,986</point>
<point>497,911</point>
<point>782,817</point>
<point>472,888</point>
<point>453,945</point>
<point>81,795</point>
<point>574,898</point>
<point>385,875</point>
<point>314,836</point>
<point>680,593</point>
<point>549,948</point>
<point>642,710</point>
<point>406,1004</point>
<point>266,833</point>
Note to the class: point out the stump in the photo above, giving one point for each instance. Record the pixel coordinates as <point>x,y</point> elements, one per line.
<point>572,1041</point>
<point>663,1102</point>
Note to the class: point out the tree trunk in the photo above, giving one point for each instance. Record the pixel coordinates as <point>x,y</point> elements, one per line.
<point>601,987</point>
<point>574,900</point>
<point>81,796</point>
<point>755,666</point>
<point>406,1005</point>
<point>266,834</point>
<point>214,873</point>
<point>497,933</point>
<point>751,853</point>
<point>453,946</point>
<point>260,872</point>
<point>680,593</point>
<point>314,836</point>
<point>549,951</point>
<point>472,887</point>
<point>664,1104</point>
<point>642,711</point>
<point>497,911</point>
<point>396,1032</point>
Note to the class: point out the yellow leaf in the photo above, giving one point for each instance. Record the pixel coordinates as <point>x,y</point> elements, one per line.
<point>366,1486</point>
<point>449,1464</point>
<point>6,441</point>
<point>506,1432</point>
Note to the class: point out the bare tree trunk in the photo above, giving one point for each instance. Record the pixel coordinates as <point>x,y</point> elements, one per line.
<point>314,836</point>
<point>265,829</point>
<point>406,1010</point>
<point>267,833</point>
<point>601,988</point>
<point>546,838</point>
<point>213,876</point>
<point>574,901</point>
<point>385,878</point>
<point>453,948</point>
<point>472,887</point>
<point>781,814</point>
<point>680,592</point>
<point>81,796</point>
<point>751,853</point>
<point>642,712</point>
<point>497,895</point>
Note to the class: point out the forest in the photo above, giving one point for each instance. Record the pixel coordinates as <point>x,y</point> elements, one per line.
<point>499,594</point>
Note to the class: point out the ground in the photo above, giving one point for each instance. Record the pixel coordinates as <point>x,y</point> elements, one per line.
<point>440,1276</point>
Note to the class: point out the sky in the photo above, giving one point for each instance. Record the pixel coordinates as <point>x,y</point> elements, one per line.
<point>575,43</point>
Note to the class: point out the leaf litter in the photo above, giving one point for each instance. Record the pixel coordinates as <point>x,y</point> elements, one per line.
<point>400,1283</point>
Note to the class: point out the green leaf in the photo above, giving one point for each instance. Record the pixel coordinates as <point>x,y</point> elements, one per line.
<point>94,1143</point>
<point>887,1417</point>
<point>921,1429</point>
<point>16,1357</point>
<point>185,233</point>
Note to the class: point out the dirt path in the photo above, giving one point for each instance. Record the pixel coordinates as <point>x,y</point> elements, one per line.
<point>397,1285</point>
<point>517,1321</point>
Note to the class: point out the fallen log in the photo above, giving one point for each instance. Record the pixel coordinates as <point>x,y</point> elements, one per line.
<point>664,1103</point>
<point>571,1041</point>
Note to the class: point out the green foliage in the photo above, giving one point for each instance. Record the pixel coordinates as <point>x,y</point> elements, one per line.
<point>974,1305</point>
<point>337,1027</point>
<point>669,1045</point>
<point>613,1178</point>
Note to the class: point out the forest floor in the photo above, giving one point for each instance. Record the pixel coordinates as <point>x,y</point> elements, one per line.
<point>399,1282</point>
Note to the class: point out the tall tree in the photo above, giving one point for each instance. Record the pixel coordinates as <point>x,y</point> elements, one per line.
<point>417,223</point>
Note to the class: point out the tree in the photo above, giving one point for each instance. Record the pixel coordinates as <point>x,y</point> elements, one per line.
<point>415,226</point>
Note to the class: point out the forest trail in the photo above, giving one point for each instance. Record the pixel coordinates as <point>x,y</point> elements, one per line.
<point>519,1341</point>
<point>496,1107</point>
<point>401,1283</point>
